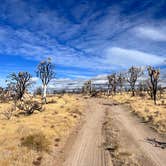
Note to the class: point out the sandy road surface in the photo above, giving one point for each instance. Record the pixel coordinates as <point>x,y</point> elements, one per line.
<point>133,134</point>
<point>87,148</point>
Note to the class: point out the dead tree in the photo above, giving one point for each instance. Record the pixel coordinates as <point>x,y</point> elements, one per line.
<point>154,79</point>
<point>112,83</point>
<point>45,71</point>
<point>19,83</point>
<point>120,81</point>
<point>132,76</point>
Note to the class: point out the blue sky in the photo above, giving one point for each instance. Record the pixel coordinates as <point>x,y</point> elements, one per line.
<point>83,38</point>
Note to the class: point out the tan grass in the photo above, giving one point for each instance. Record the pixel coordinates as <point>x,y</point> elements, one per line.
<point>56,121</point>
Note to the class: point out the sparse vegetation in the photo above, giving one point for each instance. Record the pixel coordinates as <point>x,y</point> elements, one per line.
<point>52,120</point>
<point>138,83</point>
<point>36,133</point>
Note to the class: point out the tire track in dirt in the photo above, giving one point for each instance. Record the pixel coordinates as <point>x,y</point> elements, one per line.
<point>135,133</point>
<point>87,149</point>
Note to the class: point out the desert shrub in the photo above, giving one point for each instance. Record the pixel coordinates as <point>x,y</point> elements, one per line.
<point>37,142</point>
<point>9,112</point>
<point>29,106</point>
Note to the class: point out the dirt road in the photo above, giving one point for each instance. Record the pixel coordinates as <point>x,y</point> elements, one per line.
<point>87,148</point>
<point>133,134</point>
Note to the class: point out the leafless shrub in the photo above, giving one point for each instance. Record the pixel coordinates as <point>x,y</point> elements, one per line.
<point>29,106</point>
<point>8,113</point>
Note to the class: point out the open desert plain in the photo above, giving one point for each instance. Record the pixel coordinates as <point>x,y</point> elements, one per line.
<point>82,82</point>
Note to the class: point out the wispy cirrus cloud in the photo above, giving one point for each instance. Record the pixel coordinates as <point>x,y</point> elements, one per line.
<point>151,33</point>
<point>130,57</point>
<point>91,37</point>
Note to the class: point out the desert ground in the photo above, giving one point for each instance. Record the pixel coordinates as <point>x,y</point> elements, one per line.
<point>79,130</point>
<point>37,138</point>
<point>83,83</point>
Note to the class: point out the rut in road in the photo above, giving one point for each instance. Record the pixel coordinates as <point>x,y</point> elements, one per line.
<point>133,136</point>
<point>88,146</point>
<point>88,149</point>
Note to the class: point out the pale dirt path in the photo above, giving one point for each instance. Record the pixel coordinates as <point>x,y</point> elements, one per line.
<point>135,133</point>
<point>87,149</point>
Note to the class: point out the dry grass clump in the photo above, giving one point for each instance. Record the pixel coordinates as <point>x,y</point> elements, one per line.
<point>36,141</point>
<point>146,109</point>
<point>36,132</point>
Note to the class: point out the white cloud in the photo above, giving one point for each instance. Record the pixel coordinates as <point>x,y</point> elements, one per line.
<point>151,33</point>
<point>66,83</point>
<point>86,44</point>
<point>128,57</point>
<point>34,79</point>
<point>100,82</point>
